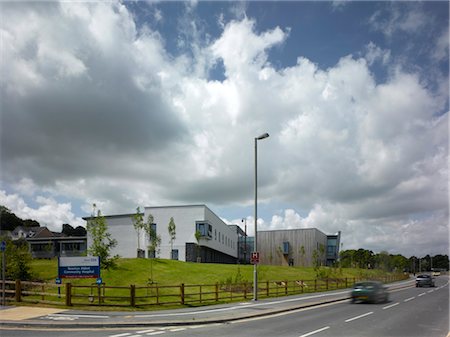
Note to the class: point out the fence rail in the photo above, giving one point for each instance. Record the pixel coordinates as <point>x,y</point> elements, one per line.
<point>156,295</point>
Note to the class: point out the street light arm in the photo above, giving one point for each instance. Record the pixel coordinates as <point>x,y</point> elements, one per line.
<point>264,135</point>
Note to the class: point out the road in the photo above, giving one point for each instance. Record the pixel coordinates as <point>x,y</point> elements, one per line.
<point>410,312</point>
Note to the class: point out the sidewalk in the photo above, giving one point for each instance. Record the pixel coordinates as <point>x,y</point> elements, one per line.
<point>63,318</point>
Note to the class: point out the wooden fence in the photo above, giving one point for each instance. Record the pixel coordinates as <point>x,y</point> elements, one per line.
<point>156,295</point>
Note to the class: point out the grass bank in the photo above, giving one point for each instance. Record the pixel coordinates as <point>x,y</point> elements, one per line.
<point>169,272</point>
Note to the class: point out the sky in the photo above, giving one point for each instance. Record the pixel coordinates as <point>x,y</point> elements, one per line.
<point>127,104</point>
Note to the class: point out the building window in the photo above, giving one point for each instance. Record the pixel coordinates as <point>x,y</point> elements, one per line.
<point>151,254</point>
<point>285,248</point>
<point>174,254</point>
<point>205,229</point>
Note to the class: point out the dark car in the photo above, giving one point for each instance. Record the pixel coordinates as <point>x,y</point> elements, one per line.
<point>370,292</point>
<point>424,280</point>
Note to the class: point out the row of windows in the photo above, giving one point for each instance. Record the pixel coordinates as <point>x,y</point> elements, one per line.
<point>205,230</point>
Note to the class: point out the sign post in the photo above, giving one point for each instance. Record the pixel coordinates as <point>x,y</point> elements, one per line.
<point>254,259</point>
<point>3,249</point>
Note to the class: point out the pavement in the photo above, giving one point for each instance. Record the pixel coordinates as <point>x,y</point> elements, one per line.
<point>57,318</point>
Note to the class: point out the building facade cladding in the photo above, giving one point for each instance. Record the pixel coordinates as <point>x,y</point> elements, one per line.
<point>292,246</point>
<point>218,242</point>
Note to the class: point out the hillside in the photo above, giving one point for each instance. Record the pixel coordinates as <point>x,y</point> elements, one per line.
<point>170,272</point>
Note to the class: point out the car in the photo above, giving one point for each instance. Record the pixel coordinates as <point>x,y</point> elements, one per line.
<point>369,292</point>
<point>424,280</point>
<point>436,273</point>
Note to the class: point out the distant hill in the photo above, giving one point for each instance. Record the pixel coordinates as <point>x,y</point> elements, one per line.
<point>9,221</point>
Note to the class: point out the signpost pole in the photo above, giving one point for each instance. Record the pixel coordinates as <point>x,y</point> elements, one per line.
<point>3,249</point>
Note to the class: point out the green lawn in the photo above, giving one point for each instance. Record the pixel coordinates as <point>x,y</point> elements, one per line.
<point>169,272</point>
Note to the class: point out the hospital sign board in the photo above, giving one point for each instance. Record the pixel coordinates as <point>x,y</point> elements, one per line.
<point>79,267</point>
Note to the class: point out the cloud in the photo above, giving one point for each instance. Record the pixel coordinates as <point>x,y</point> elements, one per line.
<point>95,108</point>
<point>49,213</point>
<point>399,18</point>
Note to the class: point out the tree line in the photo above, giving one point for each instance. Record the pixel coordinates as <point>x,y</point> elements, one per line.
<point>9,221</point>
<point>367,259</point>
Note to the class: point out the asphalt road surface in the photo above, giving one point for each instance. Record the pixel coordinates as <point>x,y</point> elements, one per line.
<point>410,312</point>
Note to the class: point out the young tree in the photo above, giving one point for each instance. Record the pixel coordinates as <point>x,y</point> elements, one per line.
<point>172,233</point>
<point>138,224</point>
<point>154,240</point>
<point>198,236</point>
<point>102,241</point>
<point>302,255</point>
<point>17,260</point>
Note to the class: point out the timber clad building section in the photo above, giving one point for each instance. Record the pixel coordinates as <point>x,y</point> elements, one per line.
<point>296,247</point>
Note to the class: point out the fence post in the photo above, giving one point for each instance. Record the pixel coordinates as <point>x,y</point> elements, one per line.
<point>133,295</point>
<point>286,287</point>
<point>217,292</point>
<point>315,285</point>
<point>182,293</point>
<point>18,291</point>
<point>327,283</point>
<point>68,294</point>
<point>267,287</point>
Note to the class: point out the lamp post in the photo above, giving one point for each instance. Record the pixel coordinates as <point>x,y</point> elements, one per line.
<point>255,246</point>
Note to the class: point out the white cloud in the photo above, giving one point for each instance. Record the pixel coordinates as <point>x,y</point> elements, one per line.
<point>115,119</point>
<point>399,18</point>
<point>49,213</point>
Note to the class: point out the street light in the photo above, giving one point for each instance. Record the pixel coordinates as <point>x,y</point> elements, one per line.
<point>255,246</point>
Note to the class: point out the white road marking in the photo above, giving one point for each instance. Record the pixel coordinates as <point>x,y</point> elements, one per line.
<point>146,331</point>
<point>360,316</point>
<point>121,335</point>
<point>155,333</point>
<point>77,316</point>
<point>409,299</point>
<point>430,291</point>
<point>177,329</point>
<point>315,331</point>
<point>390,306</point>
<point>422,294</point>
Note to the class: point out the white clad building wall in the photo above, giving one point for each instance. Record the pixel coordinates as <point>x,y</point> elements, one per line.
<point>221,238</point>
<point>121,228</point>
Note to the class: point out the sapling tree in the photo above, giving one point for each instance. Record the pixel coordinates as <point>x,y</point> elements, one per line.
<point>172,234</point>
<point>102,241</point>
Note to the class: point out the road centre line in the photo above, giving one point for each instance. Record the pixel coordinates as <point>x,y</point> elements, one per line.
<point>315,331</point>
<point>390,306</point>
<point>409,299</point>
<point>156,333</point>
<point>422,294</point>
<point>360,316</point>
<point>430,291</point>
<point>146,331</point>
<point>121,335</point>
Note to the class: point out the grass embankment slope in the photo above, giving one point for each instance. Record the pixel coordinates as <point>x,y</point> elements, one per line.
<point>169,272</point>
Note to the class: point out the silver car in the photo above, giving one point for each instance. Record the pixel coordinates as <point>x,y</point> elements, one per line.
<point>424,280</point>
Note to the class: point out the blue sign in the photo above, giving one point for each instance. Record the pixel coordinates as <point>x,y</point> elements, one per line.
<point>58,281</point>
<point>79,267</point>
<point>3,246</point>
<point>99,281</point>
